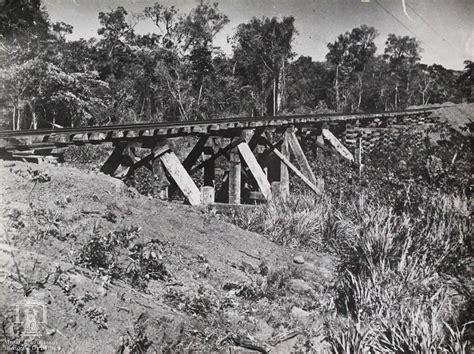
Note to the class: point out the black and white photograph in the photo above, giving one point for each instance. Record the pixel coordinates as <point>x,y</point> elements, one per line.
<point>236,176</point>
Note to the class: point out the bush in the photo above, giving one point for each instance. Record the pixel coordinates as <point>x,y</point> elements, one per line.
<point>94,155</point>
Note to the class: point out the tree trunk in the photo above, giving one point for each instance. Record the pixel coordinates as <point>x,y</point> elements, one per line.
<point>336,87</point>
<point>34,121</point>
<point>408,88</point>
<point>199,96</point>
<point>274,95</point>
<point>281,88</point>
<point>360,93</point>
<point>18,119</point>
<point>14,118</point>
<point>396,96</point>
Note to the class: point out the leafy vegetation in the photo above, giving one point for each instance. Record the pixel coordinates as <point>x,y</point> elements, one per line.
<point>177,73</point>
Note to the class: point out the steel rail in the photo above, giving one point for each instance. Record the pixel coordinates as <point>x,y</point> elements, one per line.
<point>319,118</point>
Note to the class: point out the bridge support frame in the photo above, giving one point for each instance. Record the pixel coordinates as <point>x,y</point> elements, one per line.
<point>245,169</point>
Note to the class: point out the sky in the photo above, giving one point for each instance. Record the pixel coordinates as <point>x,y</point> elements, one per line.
<point>444,27</point>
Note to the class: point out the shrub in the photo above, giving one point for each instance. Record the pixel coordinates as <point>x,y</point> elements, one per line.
<point>100,253</point>
<point>94,155</point>
<point>145,266</point>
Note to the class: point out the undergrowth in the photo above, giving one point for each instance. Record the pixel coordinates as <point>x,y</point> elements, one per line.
<point>105,252</point>
<point>401,234</point>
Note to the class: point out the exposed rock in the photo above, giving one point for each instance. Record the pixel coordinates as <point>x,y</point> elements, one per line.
<point>298,260</point>
<point>315,274</point>
<point>118,185</point>
<point>299,314</point>
<point>133,192</point>
<point>299,286</point>
<point>264,330</point>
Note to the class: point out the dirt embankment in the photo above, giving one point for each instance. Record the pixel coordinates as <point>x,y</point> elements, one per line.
<point>116,272</point>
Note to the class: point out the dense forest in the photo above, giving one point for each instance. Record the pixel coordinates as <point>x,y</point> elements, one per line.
<point>177,73</point>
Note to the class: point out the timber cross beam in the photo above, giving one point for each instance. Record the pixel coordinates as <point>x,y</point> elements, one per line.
<point>236,160</point>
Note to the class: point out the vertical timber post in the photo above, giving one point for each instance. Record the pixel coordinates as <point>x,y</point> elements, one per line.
<point>358,156</point>
<point>209,167</point>
<point>284,175</point>
<point>163,183</point>
<point>234,176</point>
<point>276,189</point>
<point>207,190</point>
<point>319,140</point>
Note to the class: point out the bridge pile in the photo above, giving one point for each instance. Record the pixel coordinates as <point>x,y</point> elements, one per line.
<point>257,150</point>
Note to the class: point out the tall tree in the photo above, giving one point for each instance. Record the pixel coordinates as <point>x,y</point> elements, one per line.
<point>350,54</point>
<point>308,85</point>
<point>262,50</point>
<point>402,53</point>
<point>116,35</point>
<point>185,43</point>
<point>22,21</point>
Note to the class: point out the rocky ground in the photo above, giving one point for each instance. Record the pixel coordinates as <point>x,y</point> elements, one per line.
<point>119,272</point>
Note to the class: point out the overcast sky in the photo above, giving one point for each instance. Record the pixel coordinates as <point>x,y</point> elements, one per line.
<point>445,27</point>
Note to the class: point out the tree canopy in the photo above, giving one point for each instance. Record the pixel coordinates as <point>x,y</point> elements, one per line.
<point>176,72</point>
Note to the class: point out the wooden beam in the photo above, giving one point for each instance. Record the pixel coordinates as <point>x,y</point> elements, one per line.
<point>235,176</point>
<point>114,160</point>
<point>159,173</point>
<point>299,155</point>
<point>322,146</point>
<point>276,189</point>
<point>173,166</point>
<point>358,156</point>
<point>160,148</point>
<point>256,170</point>
<point>129,161</point>
<point>189,161</point>
<point>223,208</point>
<point>284,175</point>
<point>221,152</point>
<point>341,149</point>
<point>207,195</point>
<point>295,170</point>
<point>209,168</point>
<point>254,140</point>
<point>181,177</point>
<point>196,151</point>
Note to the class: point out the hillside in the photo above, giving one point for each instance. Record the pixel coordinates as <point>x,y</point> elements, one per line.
<point>120,272</point>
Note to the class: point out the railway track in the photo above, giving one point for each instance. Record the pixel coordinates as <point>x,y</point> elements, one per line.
<point>38,144</point>
<point>217,124</point>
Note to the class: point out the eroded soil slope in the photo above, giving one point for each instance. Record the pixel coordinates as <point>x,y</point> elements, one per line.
<point>117,271</point>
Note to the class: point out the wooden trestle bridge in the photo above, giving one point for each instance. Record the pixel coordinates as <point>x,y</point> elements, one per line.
<point>248,144</point>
